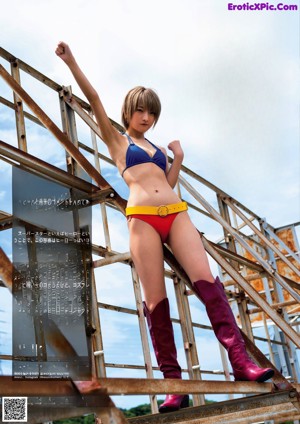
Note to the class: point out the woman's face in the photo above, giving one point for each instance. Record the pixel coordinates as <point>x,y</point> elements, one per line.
<point>142,120</point>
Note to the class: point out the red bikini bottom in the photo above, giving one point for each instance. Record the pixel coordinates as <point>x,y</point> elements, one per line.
<point>162,224</point>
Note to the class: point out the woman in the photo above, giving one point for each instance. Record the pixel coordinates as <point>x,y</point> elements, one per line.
<point>156,215</point>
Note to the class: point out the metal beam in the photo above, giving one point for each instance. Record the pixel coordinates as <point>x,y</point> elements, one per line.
<point>263,237</point>
<point>130,386</point>
<point>271,271</point>
<point>44,169</point>
<point>276,318</point>
<point>237,408</point>
<point>61,137</point>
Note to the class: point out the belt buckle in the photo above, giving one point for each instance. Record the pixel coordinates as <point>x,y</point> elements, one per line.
<point>162,211</point>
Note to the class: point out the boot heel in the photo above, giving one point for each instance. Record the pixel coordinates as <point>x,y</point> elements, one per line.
<point>185,403</point>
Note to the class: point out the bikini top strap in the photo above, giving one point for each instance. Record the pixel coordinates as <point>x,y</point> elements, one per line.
<point>128,138</point>
<point>152,144</point>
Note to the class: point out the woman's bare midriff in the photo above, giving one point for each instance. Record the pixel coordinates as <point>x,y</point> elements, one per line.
<point>148,185</point>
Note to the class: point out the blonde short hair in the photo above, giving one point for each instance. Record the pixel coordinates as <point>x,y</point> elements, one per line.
<point>140,97</point>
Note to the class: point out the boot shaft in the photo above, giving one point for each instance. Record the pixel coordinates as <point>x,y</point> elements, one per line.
<point>162,336</point>
<point>227,331</point>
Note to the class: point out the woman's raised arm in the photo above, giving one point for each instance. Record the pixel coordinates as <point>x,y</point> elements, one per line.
<point>109,133</point>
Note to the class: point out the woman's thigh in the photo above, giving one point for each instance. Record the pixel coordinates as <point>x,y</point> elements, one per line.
<point>147,255</point>
<point>188,249</point>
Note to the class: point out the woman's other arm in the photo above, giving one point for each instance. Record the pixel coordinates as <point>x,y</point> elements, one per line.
<point>173,171</point>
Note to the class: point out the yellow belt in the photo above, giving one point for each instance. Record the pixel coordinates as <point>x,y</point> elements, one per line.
<point>162,210</point>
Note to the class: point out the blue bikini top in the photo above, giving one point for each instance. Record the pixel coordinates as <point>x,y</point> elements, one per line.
<point>135,155</point>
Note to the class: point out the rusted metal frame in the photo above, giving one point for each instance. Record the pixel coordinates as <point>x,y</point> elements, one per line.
<point>92,151</point>
<point>138,386</point>
<point>242,261</point>
<point>224,359</point>
<point>222,221</point>
<point>244,305</point>
<point>98,348</point>
<point>102,206</point>
<point>27,115</point>
<point>243,312</point>
<point>5,221</point>
<point>297,323</point>
<point>231,246</point>
<point>224,212</point>
<point>38,75</point>
<point>294,224</point>
<point>6,55</point>
<point>100,404</point>
<point>69,128</point>
<point>274,236</point>
<point>143,367</point>
<point>29,69</point>
<point>251,277</point>
<point>6,270</point>
<point>263,238</point>
<point>268,338</point>
<point>121,257</point>
<point>238,228</point>
<point>143,334</point>
<point>256,354</point>
<point>214,188</point>
<point>248,263</point>
<point>258,415</point>
<point>45,169</point>
<point>20,122</point>
<point>197,209</point>
<point>119,366</point>
<point>277,306</point>
<point>273,341</point>
<point>268,296</point>
<point>104,252</point>
<point>217,412</point>
<point>98,339</point>
<point>61,137</point>
<point>188,336</point>
<point>117,308</point>
<point>134,312</point>
<point>74,104</point>
<point>291,358</point>
<point>281,353</point>
<point>252,293</point>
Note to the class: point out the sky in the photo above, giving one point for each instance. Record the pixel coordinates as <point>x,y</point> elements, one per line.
<point>229,86</point>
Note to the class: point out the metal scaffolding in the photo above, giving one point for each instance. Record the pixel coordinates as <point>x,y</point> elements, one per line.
<point>258,265</point>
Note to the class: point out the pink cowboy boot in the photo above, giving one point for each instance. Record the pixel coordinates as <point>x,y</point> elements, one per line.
<point>162,335</point>
<point>228,333</point>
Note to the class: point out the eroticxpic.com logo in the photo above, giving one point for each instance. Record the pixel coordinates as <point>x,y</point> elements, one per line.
<point>281,7</point>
